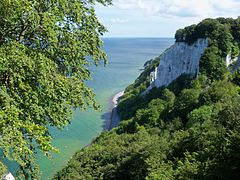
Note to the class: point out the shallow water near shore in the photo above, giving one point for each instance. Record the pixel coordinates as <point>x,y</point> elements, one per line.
<point>125,56</point>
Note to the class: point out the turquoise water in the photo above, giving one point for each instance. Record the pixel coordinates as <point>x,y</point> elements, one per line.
<point>126,56</point>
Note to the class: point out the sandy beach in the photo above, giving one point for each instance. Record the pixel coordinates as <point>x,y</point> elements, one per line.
<point>113,119</point>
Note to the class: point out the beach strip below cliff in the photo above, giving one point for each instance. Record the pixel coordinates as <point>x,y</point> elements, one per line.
<point>114,118</point>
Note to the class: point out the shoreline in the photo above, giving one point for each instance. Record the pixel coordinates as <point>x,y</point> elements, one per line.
<point>113,119</point>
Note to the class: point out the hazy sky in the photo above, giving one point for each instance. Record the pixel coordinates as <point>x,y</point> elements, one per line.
<point>160,18</point>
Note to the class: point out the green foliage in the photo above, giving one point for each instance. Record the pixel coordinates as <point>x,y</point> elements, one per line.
<point>131,100</point>
<point>188,130</point>
<point>198,116</point>
<point>3,170</point>
<point>236,77</point>
<point>183,81</point>
<point>124,161</point>
<point>220,91</point>
<point>220,30</point>
<point>223,36</point>
<point>235,49</point>
<point>212,64</point>
<point>46,48</point>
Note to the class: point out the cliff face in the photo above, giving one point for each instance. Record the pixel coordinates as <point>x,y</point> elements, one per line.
<point>177,60</point>
<point>233,63</point>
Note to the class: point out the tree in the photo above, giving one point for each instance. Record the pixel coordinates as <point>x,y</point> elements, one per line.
<point>212,64</point>
<point>200,115</point>
<point>3,170</point>
<point>186,102</point>
<point>225,39</point>
<point>46,48</point>
<point>180,35</point>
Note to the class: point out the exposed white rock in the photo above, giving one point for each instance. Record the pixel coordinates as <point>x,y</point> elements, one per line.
<point>230,60</point>
<point>153,76</point>
<point>179,59</point>
<point>233,63</point>
<point>8,176</point>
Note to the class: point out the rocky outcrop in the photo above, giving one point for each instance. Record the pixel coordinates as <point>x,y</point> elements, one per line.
<point>179,59</point>
<point>233,63</point>
<point>182,58</point>
<point>230,60</point>
<point>8,176</point>
<point>153,76</point>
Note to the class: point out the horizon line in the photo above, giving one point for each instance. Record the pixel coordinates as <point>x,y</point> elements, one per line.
<point>135,37</point>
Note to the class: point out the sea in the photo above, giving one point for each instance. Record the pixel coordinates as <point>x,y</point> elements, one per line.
<point>126,57</point>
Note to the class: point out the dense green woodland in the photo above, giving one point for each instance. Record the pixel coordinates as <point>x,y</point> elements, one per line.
<point>188,130</point>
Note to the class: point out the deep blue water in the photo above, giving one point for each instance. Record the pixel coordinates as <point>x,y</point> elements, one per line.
<point>125,56</point>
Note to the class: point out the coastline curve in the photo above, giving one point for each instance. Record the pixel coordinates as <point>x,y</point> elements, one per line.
<point>114,118</point>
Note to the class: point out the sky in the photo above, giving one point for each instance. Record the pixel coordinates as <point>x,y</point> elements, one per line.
<point>160,18</point>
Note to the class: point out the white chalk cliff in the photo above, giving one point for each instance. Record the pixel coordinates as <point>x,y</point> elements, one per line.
<point>182,58</point>
<point>233,63</point>
<point>179,59</point>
